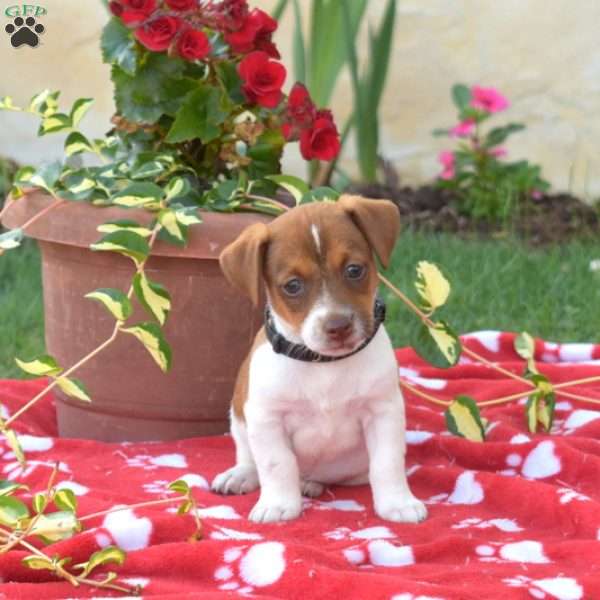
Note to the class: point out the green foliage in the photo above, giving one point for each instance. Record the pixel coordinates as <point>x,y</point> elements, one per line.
<point>485,185</point>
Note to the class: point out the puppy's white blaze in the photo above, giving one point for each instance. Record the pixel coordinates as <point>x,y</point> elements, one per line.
<point>315,233</point>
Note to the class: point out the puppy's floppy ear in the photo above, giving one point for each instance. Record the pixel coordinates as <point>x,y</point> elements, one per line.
<point>378,221</point>
<point>243,260</point>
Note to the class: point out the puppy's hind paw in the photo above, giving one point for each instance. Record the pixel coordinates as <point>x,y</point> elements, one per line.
<point>312,489</point>
<point>241,479</point>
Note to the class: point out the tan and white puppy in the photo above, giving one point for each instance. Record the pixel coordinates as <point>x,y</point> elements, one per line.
<point>297,425</point>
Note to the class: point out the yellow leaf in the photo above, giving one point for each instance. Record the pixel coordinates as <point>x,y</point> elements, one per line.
<point>168,220</point>
<point>153,296</point>
<point>74,388</point>
<point>445,342</point>
<point>463,419</point>
<point>432,286</point>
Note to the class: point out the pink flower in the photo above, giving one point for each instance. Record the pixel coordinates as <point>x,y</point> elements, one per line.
<point>536,194</point>
<point>498,152</point>
<point>447,160</point>
<point>488,99</point>
<point>463,129</point>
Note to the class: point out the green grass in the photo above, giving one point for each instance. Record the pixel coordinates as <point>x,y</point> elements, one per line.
<point>21,314</point>
<point>495,285</point>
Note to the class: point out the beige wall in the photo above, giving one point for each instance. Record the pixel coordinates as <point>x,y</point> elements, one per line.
<point>544,55</point>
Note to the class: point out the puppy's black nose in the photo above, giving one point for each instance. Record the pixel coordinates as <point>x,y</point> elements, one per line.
<point>338,327</point>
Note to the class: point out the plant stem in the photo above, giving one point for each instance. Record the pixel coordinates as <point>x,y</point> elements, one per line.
<point>131,506</point>
<point>577,382</point>
<point>418,392</point>
<point>57,202</point>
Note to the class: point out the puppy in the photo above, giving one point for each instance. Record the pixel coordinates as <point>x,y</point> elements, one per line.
<point>317,401</point>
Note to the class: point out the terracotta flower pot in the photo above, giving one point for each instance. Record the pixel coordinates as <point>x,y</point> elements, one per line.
<point>210,328</point>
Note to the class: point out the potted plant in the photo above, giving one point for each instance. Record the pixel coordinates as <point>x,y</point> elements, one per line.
<point>198,136</point>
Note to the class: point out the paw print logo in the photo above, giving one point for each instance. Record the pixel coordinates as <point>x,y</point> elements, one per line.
<point>246,568</point>
<point>24,32</point>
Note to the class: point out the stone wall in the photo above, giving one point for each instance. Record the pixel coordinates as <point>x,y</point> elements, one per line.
<point>543,55</point>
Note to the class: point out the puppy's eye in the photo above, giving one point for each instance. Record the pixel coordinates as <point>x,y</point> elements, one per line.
<point>294,287</point>
<point>355,272</point>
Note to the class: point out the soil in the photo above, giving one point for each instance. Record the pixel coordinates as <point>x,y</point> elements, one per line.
<point>553,219</point>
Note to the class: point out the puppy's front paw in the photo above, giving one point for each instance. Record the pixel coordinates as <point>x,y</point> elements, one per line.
<point>240,479</point>
<point>402,510</point>
<point>271,511</point>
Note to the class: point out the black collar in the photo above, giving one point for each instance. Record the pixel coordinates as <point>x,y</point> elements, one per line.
<point>300,352</point>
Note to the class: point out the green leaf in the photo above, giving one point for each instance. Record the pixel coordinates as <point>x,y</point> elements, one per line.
<point>38,562</point>
<point>540,409</point>
<point>438,345</point>
<point>188,216</point>
<point>23,176</point>
<point>39,503</point>
<point>185,507</point>
<point>79,110</point>
<point>11,239</point>
<point>79,185</point>
<point>152,337</point>
<point>524,346</point>
<point>176,188</point>
<point>180,486</point>
<point>46,176</point>
<point>498,135</point>
<point>110,554</point>
<point>6,103</point>
<point>294,185</point>
<point>56,526</point>
<point>228,74</point>
<point>44,103</point>
<point>9,487</point>
<point>381,48</point>
<point>55,123</point>
<point>431,285</point>
<point>148,170</point>
<point>200,115</point>
<point>153,297</point>
<point>115,301</point>
<point>461,96</point>
<point>119,47</point>
<point>176,231</point>
<point>124,242</point>
<point>158,88</point>
<point>42,366</point>
<point>12,511</point>
<point>125,225</point>
<point>65,499</point>
<point>463,419</point>
<point>279,9</point>
<point>299,49</point>
<point>139,195</point>
<point>73,387</point>
<point>76,143</point>
<point>15,445</point>
<point>320,194</point>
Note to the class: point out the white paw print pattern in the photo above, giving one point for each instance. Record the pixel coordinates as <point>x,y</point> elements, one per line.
<point>127,530</point>
<point>560,588</point>
<point>541,462</point>
<point>14,470</point>
<point>467,490</point>
<point>380,553</point>
<point>409,596</point>
<point>508,525</point>
<point>525,551</point>
<point>568,495</point>
<point>246,567</point>
<point>370,533</point>
<point>150,463</point>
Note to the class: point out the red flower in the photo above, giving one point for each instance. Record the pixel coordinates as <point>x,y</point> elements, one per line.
<point>254,34</point>
<point>193,45</point>
<point>300,112</point>
<point>158,34</point>
<point>322,141</point>
<point>262,78</point>
<point>182,4</point>
<point>134,11</point>
<point>115,8</point>
<point>232,14</point>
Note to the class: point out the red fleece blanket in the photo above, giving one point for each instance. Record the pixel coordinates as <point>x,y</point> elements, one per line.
<point>515,517</point>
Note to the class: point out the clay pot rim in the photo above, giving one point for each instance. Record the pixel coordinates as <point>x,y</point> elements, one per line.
<point>75,224</point>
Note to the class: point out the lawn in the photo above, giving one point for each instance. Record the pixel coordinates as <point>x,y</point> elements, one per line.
<point>495,285</point>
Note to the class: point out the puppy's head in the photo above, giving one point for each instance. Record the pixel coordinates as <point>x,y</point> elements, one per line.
<point>318,266</point>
